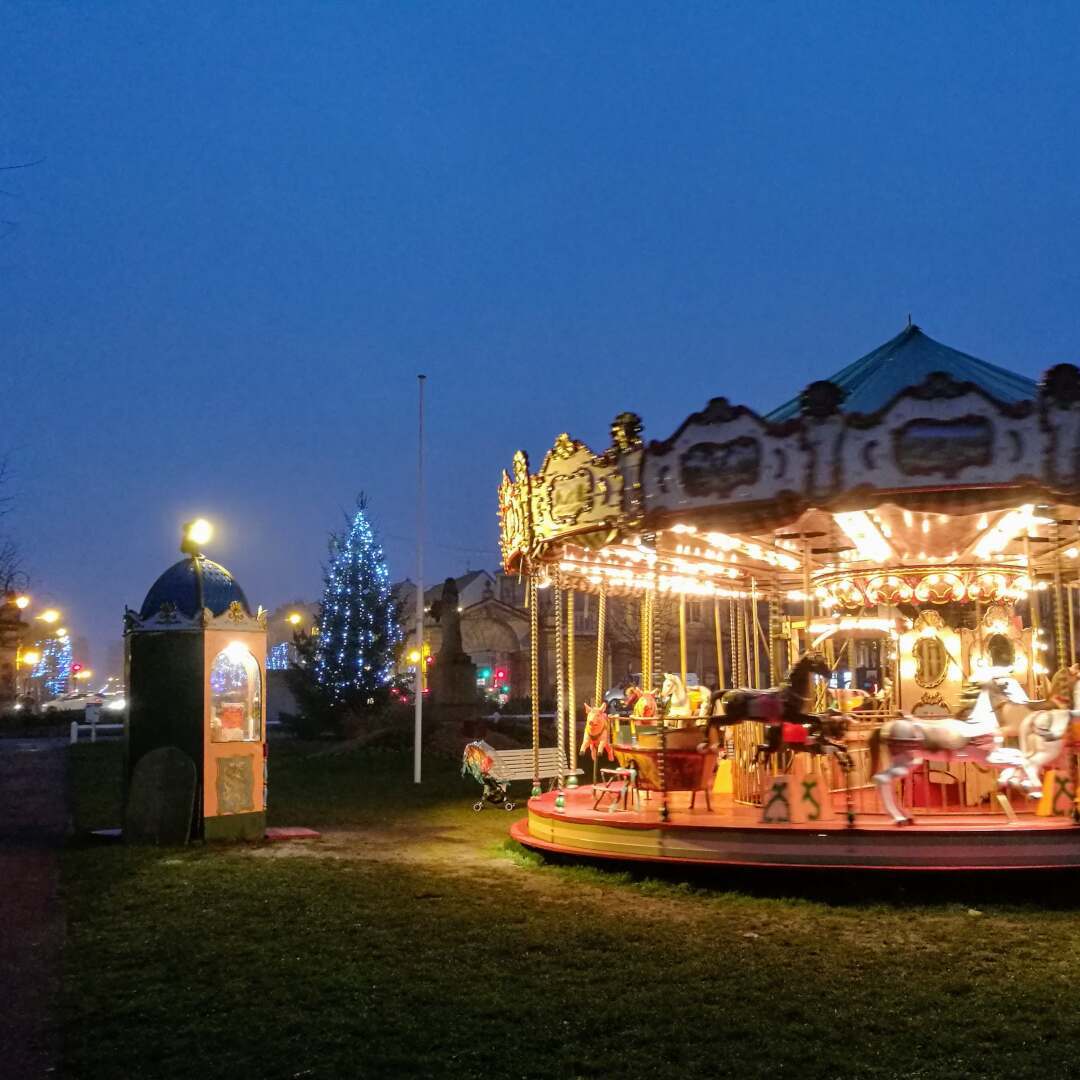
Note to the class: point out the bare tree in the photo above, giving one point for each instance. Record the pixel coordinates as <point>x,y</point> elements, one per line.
<point>12,574</point>
<point>624,627</point>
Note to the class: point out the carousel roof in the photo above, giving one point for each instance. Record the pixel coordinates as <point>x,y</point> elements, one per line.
<point>193,584</point>
<point>871,382</point>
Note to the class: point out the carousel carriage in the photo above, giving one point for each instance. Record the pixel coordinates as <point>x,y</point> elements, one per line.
<point>914,521</point>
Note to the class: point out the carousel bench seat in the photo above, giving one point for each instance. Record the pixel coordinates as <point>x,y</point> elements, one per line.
<point>518,764</point>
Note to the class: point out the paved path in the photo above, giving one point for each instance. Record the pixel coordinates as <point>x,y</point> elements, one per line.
<point>33,824</point>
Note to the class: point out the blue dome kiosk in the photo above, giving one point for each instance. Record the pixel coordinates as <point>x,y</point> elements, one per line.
<point>195,657</point>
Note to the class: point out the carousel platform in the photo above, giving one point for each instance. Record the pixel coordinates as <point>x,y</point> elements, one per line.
<point>733,834</point>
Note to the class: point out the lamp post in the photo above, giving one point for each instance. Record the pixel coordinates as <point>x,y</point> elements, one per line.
<point>24,659</point>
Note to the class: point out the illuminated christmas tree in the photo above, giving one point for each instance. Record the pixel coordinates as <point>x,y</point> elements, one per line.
<point>54,667</point>
<point>359,636</point>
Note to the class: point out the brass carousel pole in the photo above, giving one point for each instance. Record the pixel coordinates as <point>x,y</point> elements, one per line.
<point>601,644</point>
<point>775,634</point>
<point>733,642</point>
<point>720,681</point>
<point>534,679</point>
<point>1033,615</point>
<point>744,615</point>
<point>1069,591</point>
<point>656,629</point>
<point>646,638</point>
<point>571,672</point>
<point>807,606</point>
<point>560,692</point>
<point>661,758</point>
<point>682,637</point>
<point>756,632</point>
<point>1059,609</point>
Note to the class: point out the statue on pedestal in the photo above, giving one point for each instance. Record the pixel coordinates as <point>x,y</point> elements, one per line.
<point>453,674</point>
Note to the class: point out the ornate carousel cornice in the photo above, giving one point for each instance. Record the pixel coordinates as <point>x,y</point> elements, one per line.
<point>940,442</point>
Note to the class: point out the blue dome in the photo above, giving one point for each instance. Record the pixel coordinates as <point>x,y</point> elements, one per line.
<point>192,584</point>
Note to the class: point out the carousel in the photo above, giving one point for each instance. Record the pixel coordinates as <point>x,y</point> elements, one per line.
<point>888,564</point>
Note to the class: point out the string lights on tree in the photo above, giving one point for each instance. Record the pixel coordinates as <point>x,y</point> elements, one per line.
<point>53,668</point>
<point>359,635</point>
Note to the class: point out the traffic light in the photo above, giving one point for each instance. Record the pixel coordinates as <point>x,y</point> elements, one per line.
<point>76,668</point>
<point>500,675</point>
<point>484,673</point>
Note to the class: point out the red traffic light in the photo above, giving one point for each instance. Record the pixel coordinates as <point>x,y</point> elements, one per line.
<point>500,675</point>
<point>76,667</point>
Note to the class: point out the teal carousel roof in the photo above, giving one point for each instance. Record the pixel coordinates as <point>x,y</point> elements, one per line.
<point>192,584</point>
<point>871,382</point>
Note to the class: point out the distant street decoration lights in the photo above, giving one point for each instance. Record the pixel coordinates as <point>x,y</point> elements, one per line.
<point>197,535</point>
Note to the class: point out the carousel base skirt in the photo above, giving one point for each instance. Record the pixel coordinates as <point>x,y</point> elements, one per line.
<point>733,835</point>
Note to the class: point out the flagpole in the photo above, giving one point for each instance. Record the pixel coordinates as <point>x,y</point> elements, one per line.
<point>418,682</point>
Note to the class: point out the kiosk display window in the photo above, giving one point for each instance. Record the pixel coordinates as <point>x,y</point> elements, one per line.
<point>235,696</point>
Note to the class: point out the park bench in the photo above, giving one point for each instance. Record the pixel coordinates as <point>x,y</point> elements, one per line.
<point>510,765</point>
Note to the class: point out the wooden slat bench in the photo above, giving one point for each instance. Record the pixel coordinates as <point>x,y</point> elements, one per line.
<point>510,765</point>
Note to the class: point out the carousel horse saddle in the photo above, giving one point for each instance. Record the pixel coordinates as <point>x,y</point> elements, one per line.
<point>764,705</point>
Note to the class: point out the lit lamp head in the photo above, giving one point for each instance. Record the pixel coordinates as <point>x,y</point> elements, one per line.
<point>295,618</point>
<point>196,536</point>
<point>50,615</point>
<point>22,602</point>
<point>30,658</point>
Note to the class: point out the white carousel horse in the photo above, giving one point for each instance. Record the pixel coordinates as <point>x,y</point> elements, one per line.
<point>978,739</point>
<point>681,701</point>
<point>1044,731</point>
<point>1011,705</point>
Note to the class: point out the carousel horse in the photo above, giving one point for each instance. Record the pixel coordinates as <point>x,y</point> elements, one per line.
<point>642,703</point>
<point>1045,733</point>
<point>597,736</point>
<point>1016,713</point>
<point>684,702</point>
<point>792,701</point>
<point>977,738</point>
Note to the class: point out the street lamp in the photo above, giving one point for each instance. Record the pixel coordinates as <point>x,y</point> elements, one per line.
<point>50,615</point>
<point>22,602</point>
<point>196,536</point>
<point>26,659</point>
<point>295,618</point>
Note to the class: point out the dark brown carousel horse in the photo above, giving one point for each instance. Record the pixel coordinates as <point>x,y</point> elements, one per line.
<point>791,701</point>
<point>785,710</point>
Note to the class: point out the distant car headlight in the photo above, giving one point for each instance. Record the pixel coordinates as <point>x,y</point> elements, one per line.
<point>117,705</point>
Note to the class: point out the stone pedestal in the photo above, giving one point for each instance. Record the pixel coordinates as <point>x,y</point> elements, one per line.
<point>452,678</point>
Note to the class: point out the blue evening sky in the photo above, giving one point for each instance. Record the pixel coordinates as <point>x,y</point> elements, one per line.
<point>255,223</point>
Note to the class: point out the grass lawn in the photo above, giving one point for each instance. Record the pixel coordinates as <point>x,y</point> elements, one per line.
<point>415,940</point>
